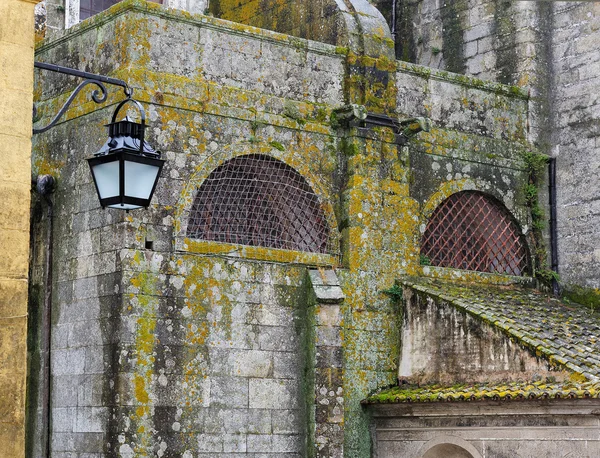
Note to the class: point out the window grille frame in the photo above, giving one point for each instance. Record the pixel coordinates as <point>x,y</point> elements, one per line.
<point>73,11</point>
<point>186,243</point>
<point>517,266</point>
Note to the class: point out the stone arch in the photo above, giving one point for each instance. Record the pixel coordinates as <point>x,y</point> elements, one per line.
<point>472,230</point>
<point>292,161</point>
<point>448,447</point>
<point>519,212</point>
<point>468,184</point>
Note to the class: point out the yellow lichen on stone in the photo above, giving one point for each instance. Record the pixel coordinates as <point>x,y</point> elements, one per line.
<point>145,303</point>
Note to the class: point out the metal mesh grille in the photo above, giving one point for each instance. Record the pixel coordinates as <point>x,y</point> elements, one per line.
<point>260,201</point>
<point>470,231</point>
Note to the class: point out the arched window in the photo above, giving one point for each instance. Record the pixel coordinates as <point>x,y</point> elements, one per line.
<point>88,8</point>
<point>260,201</point>
<point>472,231</point>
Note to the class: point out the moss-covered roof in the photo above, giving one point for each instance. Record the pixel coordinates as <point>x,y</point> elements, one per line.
<point>486,392</point>
<point>564,333</point>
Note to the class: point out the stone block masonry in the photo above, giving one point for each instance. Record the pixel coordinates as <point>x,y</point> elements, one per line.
<point>180,353</point>
<point>187,347</point>
<point>550,48</point>
<point>326,405</point>
<point>559,426</point>
<point>575,142</point>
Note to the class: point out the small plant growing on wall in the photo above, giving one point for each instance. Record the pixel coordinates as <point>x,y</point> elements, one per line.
<point>395,293</point>
<point>535,164</point>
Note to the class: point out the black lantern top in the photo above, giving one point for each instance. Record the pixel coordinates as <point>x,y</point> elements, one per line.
<point>127,134</point>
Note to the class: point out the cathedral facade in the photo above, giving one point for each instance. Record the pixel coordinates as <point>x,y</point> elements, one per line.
<point>373,234</point>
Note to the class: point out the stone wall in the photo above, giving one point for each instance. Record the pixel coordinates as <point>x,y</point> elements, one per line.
<point>462,348</point>
<point>575,113</point>
<point>163,344</point>
<point>547,47</point>
<point>477,139</point>
<point>543,46</point>
<point>317,20</point>
<point>493,40</point>
<point>16,83</point>
<point>185,348</point>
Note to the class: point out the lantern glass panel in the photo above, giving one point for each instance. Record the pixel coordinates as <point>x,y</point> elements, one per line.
<point>107,179</point>
<point>139,179</point>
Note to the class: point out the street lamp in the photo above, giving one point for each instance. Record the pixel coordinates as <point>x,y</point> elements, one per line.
<point>126,169</point>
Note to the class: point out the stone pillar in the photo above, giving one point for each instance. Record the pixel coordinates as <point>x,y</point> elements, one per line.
<point>16,96</point>
<point>326,414</point>
<point>379,244</point>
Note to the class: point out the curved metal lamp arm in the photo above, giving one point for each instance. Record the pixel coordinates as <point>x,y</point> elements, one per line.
<point>98,95</point>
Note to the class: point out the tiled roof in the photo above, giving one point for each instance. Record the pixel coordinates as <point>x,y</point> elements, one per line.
<point>564,333</point>
<point>485,392</point>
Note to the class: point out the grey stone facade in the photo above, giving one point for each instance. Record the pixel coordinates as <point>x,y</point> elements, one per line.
<point>168,346</point>
<point>549,47</point>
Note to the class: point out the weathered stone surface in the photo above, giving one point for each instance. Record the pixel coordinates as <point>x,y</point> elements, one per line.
<point>542,337</point>
<point>460,347</point>
<point>196,347</point>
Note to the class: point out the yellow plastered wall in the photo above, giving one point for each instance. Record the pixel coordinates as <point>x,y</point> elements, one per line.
<point>16,97</point>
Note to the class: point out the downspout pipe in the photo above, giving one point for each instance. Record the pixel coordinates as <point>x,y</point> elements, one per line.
<point>44,185</point>
<point>553,229</point>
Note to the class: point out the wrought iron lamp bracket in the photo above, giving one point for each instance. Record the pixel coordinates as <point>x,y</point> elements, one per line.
<point>99,95</point>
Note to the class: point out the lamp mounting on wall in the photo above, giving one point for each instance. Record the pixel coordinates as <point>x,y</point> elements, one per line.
<point>126,169</point>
